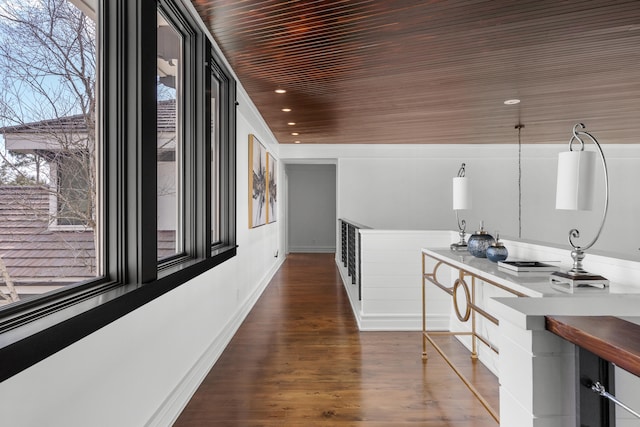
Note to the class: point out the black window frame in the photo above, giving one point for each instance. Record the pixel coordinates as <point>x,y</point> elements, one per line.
<point>227,154</point>
<point>33,329</point>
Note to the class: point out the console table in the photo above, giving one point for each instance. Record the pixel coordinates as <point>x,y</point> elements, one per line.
<point>469,269</point>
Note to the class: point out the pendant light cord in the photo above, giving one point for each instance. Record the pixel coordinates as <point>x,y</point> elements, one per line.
<point>519,126</point>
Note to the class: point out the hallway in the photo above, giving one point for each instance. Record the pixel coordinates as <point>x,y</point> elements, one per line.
<point>299,360</point>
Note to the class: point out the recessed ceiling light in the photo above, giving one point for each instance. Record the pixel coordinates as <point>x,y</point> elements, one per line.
<point>295,133</point>
<point>280,91</point>
<point>286,110</point>
<point>296,142</point>
<point>291,123</point>
<point>512,101</point>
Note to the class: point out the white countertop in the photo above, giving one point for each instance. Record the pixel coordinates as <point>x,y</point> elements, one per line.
<point>528,313</point>
<point>546,299</point>
<point>531,284</point>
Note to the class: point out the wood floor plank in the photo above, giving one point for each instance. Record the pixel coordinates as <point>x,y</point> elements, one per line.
<point>299,360</point>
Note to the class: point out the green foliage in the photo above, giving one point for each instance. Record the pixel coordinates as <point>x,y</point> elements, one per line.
<point>22,169</point>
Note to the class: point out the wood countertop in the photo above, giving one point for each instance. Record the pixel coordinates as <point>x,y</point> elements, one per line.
<point>612,338</point>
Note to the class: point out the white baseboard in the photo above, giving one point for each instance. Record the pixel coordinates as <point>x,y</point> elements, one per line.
<point>168,412</point>
<point>312,249</point>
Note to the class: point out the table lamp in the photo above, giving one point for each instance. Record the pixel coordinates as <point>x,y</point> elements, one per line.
<point>461,201</point>
<point>574,191</point>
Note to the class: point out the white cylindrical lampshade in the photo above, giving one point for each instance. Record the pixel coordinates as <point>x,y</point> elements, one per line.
<point>576,170</point>
<point>461,193</point>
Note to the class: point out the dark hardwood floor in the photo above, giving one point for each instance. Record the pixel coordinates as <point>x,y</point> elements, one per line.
<point>300,360</point>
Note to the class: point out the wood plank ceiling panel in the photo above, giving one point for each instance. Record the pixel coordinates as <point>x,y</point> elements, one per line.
<point>421,72</point>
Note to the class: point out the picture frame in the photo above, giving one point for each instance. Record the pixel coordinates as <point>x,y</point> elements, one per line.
<point>272,189</point>
<point>257,183</point>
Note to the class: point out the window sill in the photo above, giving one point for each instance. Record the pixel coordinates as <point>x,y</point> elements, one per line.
<point>49,325</point>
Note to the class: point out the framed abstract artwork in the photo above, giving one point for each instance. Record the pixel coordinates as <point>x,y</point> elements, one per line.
<point>257,183</point>
<point>272,189</point>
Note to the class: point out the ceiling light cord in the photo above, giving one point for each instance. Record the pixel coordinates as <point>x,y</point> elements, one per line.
<point>519,126</point>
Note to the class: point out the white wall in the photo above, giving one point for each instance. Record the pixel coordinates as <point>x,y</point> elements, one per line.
<point>409,187</point>
<point>141,369</point>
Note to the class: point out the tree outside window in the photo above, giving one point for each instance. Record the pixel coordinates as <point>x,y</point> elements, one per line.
<point>48,146</point>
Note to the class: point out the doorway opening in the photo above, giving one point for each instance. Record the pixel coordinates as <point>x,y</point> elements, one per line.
<point>311,207</point>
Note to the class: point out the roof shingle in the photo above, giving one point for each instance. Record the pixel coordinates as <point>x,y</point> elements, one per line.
<point>33,253</point>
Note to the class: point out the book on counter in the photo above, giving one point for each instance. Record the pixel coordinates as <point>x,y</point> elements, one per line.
<point>527,266</point>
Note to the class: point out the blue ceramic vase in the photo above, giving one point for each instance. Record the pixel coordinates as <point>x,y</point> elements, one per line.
<point>479,242</point>
<point>497,252</point>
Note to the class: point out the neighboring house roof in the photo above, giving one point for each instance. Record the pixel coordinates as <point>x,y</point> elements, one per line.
<point>165,122</point>
<point>166,116</point>
<point>40,259</point>
<point>34,254</point>
<point>75,123</point>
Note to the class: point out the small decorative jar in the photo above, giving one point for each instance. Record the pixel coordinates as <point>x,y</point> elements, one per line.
<point>496,251</point>
<point>479,242</point>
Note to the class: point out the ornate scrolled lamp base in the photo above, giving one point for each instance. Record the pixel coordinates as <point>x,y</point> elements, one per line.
<point>578,276</point>
<point>457,247</point>
<point>461,246</point>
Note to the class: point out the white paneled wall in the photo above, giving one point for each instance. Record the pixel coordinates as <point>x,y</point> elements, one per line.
<point>391,275</point>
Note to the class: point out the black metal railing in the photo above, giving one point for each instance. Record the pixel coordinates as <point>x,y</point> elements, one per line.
<point>350,250</point>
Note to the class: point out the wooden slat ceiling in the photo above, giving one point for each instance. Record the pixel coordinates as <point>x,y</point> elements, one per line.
<point>422,72</point>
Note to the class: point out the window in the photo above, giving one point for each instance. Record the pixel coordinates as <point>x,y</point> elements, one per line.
<point>48,191</point>
<point>215,158</point>
<point>170,140</point>
<point>137,184</point>
<point>222,152</point>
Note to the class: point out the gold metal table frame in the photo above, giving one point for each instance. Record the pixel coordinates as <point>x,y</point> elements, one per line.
<point>470,312</point>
